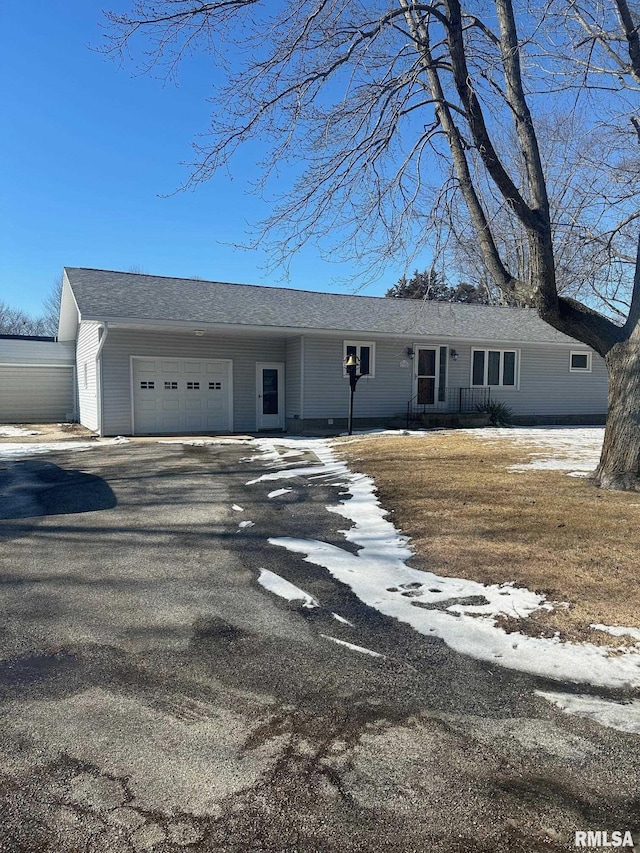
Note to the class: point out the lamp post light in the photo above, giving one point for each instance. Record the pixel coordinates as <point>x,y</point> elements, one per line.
<point>351,365</point>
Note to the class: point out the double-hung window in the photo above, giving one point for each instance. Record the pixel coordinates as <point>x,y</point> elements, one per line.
<point>494,367</point>
<point>365,355</point>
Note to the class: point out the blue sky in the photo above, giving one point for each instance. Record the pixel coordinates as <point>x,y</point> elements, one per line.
<point>87,151</point>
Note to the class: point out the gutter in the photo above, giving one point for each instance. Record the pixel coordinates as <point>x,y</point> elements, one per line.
<point>104,328</point>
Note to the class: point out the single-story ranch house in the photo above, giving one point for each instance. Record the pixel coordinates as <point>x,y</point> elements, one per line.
<point>142,355</point>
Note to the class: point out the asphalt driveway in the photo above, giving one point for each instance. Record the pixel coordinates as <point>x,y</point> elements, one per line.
<point>153,696</point>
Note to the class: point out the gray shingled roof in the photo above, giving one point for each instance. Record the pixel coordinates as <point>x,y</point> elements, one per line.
<point>104,295</point>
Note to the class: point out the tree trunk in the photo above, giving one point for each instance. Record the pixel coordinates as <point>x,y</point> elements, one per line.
<point>619,466</point>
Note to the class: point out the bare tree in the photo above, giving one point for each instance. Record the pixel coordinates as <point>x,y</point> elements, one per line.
<point>51,308</point>
<point>397,110</point>
<point>14,321</point>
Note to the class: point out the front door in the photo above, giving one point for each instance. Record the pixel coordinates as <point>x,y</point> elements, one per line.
<point>270,395</point>
<point>430,364</point>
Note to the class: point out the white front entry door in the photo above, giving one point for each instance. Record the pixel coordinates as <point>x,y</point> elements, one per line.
<point>269,395</point>
<point>180,395</point>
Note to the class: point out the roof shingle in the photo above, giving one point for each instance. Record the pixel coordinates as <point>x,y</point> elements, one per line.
<point>105,295</point>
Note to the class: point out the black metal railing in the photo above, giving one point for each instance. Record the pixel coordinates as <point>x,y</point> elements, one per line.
<point>457,400</point>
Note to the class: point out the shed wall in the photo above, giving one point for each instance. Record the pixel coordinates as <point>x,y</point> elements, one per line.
<point>36,381</point>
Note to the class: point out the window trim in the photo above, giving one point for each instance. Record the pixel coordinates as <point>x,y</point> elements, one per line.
<point>588,368</point>
<point>502,351</point>
<point>358,345</point>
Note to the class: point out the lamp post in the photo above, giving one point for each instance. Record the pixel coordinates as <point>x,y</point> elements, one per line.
<point>351,365</point>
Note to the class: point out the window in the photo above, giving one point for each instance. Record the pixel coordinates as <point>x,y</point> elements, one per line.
<point>580,362</point>
<point>170,386</point>
<point>365,353</point>
<point>193,386</point>
<point>215,386</point>
<point>494,367</point>
<point>147,386</point>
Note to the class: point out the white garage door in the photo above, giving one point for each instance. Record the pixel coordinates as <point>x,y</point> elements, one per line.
<point>35,393</point>
<point>181,395</point>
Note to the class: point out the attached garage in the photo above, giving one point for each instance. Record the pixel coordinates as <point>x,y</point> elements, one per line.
<point>181,395</point>
<point>36,380</point>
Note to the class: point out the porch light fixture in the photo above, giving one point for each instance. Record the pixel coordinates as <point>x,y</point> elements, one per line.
<point>453,354</point>
<point>198,332</point>
<point>410,352</point>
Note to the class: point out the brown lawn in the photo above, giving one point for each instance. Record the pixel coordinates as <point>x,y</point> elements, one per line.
<point>469,517</point>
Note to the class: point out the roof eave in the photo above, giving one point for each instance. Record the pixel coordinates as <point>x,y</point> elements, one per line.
<point>409,336</point>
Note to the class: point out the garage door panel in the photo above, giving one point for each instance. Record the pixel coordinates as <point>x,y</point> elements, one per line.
<point>181,395</point>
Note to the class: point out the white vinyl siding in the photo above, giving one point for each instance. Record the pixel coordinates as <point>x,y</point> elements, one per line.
<point>546,388</point>
<point>244,350</point>
<point>293,378</point>
<point>87,347</point>
<point>326,390</point>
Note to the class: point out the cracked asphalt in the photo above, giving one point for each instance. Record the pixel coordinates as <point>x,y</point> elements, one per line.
<point>154,697</point>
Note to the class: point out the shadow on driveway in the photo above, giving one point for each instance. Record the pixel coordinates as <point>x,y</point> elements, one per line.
<point>36,488</point>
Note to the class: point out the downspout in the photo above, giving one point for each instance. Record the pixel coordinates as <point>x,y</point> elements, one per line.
<point>104,328</point>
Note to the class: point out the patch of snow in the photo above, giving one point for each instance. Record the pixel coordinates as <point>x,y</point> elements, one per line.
<point>119,439</point>
<point>246,524</point>
<point>623,716</point>
<point>282,587</point>
<point>17,432</point>
<point>277,492</point>
<point>353,648</point>
<point>205,442</point>
<point>575,449</point>
<point>237,508</point>
<point>19,451</point>
<point>342,620</point>
<point>460,612</point>
<point>618,631</point>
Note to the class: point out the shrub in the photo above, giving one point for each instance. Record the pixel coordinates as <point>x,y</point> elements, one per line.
<point>500,415</point>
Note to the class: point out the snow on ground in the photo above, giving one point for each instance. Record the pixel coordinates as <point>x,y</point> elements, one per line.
<point>205,442</point>
<point>623,716</point>
<point>575,449</point>
<point>277,492</point>
<point>237,508</point>
<point>354,648</point>
<point>19,451</point>
<point>17,432</point>
<point>618,631</point>
<point>244,525</point>
<point>461,612</point>
<point>342,620</point>
<point>282,587</point>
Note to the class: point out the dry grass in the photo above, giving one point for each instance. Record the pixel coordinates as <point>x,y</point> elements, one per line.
<point>469,517</point>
